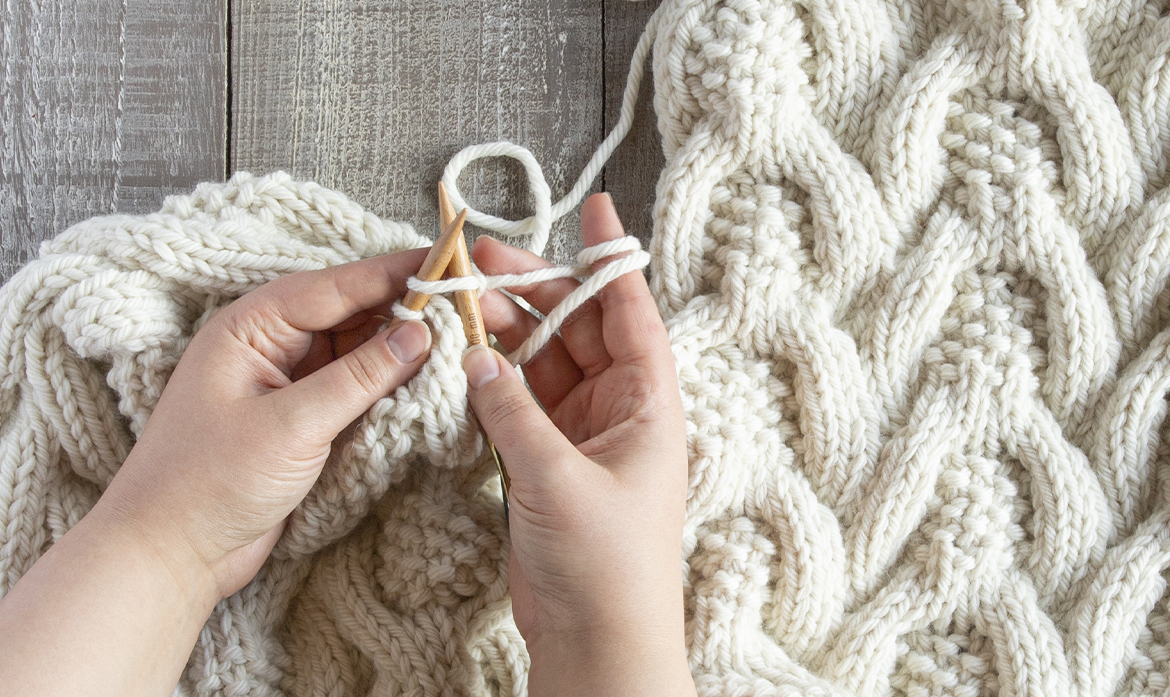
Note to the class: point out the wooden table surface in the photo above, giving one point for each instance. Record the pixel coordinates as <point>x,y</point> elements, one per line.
<point>111,105</point>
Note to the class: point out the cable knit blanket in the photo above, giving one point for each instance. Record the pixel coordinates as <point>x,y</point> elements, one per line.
<point>913,256</point>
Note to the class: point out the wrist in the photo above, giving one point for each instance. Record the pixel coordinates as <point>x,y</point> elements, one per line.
<point>619,661</point>
<point>124,612</point>
<point>153,550</point>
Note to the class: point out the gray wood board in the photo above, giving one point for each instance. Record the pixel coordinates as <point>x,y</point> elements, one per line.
<point>105,105</point>
<point>373,98</point>
<point>632,173</point>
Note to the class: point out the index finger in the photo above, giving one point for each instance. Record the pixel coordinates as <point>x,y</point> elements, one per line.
<point>631,327</point>
<point>314,301</point>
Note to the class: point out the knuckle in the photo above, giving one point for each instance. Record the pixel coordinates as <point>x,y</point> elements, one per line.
<point>504,408</point>
<point>368,372</point>
<point>341,297</point>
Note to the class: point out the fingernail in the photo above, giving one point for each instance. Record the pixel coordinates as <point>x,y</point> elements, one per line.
<point>486,239</point>
<point>410,341</point>
<point>609,198</point>
<point>480,365</point>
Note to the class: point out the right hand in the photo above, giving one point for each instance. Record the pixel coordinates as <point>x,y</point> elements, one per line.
<point>598,485</point>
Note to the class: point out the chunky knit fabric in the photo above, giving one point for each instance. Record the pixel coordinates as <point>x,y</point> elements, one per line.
<point>913,259</point>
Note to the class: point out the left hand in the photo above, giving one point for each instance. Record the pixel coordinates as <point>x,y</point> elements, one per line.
<point>246,421</point>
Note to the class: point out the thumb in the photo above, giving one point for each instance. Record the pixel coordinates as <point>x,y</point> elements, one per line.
<point>531,446</point>
<point>344,389</point>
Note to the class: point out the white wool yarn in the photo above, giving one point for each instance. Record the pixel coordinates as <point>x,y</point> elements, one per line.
<point>592,281</point>
<point>913,259</point>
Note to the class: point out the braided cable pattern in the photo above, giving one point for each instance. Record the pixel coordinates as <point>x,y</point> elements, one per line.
<point>913,262</point>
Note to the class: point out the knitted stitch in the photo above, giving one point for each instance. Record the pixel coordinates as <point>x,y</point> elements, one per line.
<point>913,259</point>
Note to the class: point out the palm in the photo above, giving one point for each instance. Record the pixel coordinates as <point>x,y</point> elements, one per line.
<point>599,403</point>
<point>597,373</point>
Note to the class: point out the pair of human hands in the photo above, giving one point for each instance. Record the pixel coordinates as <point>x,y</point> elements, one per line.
<point>246,422</point>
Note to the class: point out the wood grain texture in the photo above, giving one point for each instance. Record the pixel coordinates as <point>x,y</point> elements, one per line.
<point>105,105</point>
<point>373,98</point>
<point>632,173</point>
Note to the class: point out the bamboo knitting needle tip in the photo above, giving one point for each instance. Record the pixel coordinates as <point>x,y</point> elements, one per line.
<point>467,300</point>
<point>436,263</point>
<point>446,210</point>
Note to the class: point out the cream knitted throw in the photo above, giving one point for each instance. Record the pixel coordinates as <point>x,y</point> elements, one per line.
<point>913,257</point>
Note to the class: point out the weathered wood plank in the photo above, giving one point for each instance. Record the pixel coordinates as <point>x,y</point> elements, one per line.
<point>374,98</point>
<point>632,173</point>
<point>105,105</point>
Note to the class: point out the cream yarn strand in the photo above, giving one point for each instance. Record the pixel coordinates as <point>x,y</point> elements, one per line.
<point>635,260</point>
<point>538,226</point>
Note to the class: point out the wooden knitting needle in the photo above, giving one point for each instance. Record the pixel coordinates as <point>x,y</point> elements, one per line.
<point>436,263</point>
<point>469,311</point>
<point>466,300</point>
<point>446,210</point>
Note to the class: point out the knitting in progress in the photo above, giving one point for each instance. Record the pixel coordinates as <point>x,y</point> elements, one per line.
<point>913,258</point>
